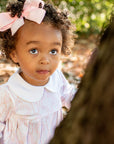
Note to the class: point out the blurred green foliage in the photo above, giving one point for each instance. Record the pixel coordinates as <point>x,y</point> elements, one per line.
<point>2,5</point>
<point>87,15</point>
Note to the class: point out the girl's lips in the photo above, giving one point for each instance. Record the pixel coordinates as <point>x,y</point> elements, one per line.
<point>42,71</point>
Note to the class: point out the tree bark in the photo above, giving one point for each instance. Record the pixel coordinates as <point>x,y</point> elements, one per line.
<point>91,118</point>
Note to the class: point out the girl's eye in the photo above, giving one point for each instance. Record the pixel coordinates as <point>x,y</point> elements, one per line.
<point>53,52</point>
<point>34,51</point>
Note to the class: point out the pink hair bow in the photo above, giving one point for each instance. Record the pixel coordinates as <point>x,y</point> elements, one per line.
<point>31,11</point>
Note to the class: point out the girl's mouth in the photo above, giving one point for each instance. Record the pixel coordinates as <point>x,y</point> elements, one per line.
<point>42,71</point>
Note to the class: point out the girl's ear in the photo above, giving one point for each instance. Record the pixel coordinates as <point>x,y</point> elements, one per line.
<point>13,56</point>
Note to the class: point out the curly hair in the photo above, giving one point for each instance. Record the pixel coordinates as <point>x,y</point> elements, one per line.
<point>57,19</point>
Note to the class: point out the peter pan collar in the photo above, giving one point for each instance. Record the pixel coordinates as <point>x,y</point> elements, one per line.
<point>28,92</point>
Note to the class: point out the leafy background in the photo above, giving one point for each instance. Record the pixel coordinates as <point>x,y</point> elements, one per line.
<point>87,15</point>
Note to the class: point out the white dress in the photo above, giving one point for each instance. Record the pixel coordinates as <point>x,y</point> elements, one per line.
<point>29,114</point>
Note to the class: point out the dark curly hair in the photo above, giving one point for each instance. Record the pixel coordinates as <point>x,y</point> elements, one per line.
<point>53,17</point>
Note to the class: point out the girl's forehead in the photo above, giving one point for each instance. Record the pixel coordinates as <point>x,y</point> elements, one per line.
<point>43,31</point>
<point>31,27</point>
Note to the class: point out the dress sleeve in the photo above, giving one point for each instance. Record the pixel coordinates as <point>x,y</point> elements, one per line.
<point>67,92</point>
<point>5,106</point>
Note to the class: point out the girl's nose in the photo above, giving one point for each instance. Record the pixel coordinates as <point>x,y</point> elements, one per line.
<point>44,61</point>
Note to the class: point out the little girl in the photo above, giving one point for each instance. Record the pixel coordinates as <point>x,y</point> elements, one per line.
<point>34,35</point>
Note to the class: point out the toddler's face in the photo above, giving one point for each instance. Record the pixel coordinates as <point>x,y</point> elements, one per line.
<point>38,51</point>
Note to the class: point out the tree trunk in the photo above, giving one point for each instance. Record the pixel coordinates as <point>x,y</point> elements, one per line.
<point>91,118</point>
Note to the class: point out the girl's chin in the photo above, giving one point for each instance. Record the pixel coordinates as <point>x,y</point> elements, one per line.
<point>41,82</point>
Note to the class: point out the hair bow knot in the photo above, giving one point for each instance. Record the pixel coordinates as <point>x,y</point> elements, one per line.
<point>31,11</point>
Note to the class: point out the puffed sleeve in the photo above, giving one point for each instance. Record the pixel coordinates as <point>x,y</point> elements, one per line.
<point>67,91</point>
<point>5,106</point>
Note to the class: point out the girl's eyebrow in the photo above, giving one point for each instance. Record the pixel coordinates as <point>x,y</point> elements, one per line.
<point>37,42</point>
<point>56,43</point>
<point>32,42</point>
